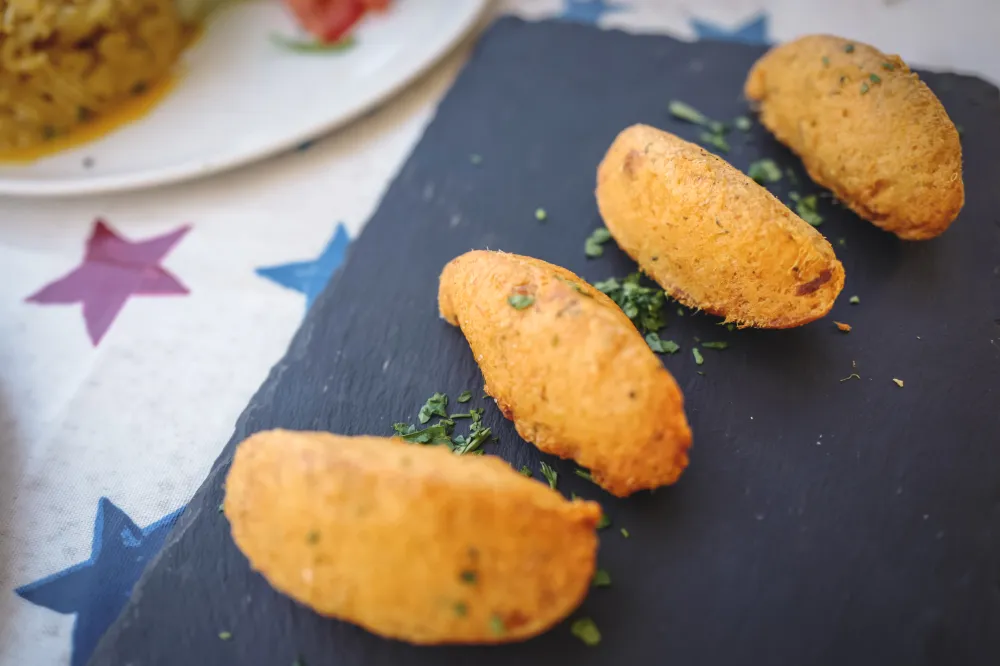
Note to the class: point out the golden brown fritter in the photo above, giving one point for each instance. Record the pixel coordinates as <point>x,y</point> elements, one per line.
<point>713,238</point>
<point>410,542</point>
<point>569,368</point>
<point>867,128</point>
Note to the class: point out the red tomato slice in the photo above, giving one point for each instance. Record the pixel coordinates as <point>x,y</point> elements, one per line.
<point>328,20</point>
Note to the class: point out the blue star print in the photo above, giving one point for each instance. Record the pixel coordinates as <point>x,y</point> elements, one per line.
<point>309,277</point>
<point>96,590</point>
<point>588,11</point>
<point>753,31</point>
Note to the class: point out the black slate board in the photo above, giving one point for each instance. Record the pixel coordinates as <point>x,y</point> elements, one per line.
<point>820,521</point>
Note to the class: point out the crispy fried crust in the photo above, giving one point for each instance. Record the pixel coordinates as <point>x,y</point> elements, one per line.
<point>570,370</point>
<point>713,238</point>
<point>891,153</point>
<point>410,542</point>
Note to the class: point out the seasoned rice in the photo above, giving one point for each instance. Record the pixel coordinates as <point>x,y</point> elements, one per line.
<point>64,61</point>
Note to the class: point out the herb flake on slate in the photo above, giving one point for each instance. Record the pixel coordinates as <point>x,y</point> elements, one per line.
<point>225,635</point>
<point>435,434</point>
<point>854,300</point>
<point>805,207</point>
<point>742,123</point>
<point>686,112</point>
<point>520,301</point>
<point>541,215</point>
<point>624,532</point>
<point>697,356</point>
<point>550,475</point>
<point>464,396</point>
<point>603,522</point>
<point>586,630</point>
<point>764,171</point>
<point>436,405</point>
<point>583,474</point>
<point>661,346</point>
<point>716,140</point>
<point>601,578</point>
<point>526,471</point>
<point>643,305</point>
<point>715,345</point>
<point>593,247</point>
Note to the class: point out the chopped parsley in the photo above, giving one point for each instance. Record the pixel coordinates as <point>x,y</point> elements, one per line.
<point>661,346</point>
<point>624,532</point>
<point>874,78</point>
<point>439,433</point>
<point>742,123</point>
<point>697,356</point>
<point>550,475</point>
<point>225,635</point>
<point>898,382</point>
<point>583,474</point>
<point>541,215</point>
<point>715,345</point>
<point>805,207</point>
<point>603,522</point>
<point>849,48</point>
<point>593,247</point>
<point>601,579</point>
<point>436,405</point>
<point>310,45</point>
<point>464,396</point>
<point>526,471</point>
<point>643,305</point>
<point>469,577</point>
<point>888,66</point>
<point>716,140</point>
<point>520,301</point>
<point>687,112</point>
<point>497,626</point>
<point>842,242</point>
<point>854,300</point>
<point>460,608</point>
<point>864,88</point>
<point>586,631</point>
<point>764,171</point>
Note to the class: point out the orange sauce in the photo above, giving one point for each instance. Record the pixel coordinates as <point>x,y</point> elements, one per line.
<point>125,112</point>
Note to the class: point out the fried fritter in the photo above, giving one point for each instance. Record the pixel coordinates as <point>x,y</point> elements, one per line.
<point>569,368</point>
<point>713,238</point>
<point>867,128</point>
<point>410,542</point>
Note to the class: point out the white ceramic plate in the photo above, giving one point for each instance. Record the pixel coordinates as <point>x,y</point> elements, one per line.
<point>242,98</point>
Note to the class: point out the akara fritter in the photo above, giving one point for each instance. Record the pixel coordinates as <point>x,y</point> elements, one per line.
<point>410,542</point>
<point>568,367</point>
<point>867,128</point>
<point>710,236</point>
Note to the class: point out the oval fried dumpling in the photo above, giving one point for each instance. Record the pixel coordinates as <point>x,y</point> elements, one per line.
<point>867,128</point>
<point>710,236</point>
<point>410,542</point>
<point>568,367</point>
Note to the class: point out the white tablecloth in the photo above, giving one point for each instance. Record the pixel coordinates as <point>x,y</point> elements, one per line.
<point>112,412</point>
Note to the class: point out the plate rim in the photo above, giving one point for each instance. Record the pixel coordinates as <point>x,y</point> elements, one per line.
<point>190,171</point>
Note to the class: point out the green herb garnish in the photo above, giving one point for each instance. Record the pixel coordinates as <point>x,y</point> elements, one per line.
<point>842,242</point>
<point>764,171</point>
<point>540,214</point>
<point>583,474</point>
<point>601,579</point>
<point>225,635</point>
<point>864,88</point>
<point>715,345</point>
<point>854,300</point>
<point>742,123</point>
<point>438,433</point>
<point>715,139</point>
<point>643,305</point>
<point>624,532</point>
<point>849,48</point>
<point>311,45</point>
<point>526,471</point>
<point>464,396</point>
<point>586,631</point>
<point>661,346</point>
<point>805,207</point>
<point>687,112</point>
<point>888,66</point>
<point>697,356</point>
<point>593,247</point>
<point>603,522</point>
<point>550,475</point>
<point>520,301</point>
<point>875,78</point>
<point>436,405</point>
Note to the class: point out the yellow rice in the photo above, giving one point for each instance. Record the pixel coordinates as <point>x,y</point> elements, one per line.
<point>62,62</point>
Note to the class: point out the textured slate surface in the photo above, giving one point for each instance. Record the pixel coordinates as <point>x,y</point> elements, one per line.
<point>820,521</point>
